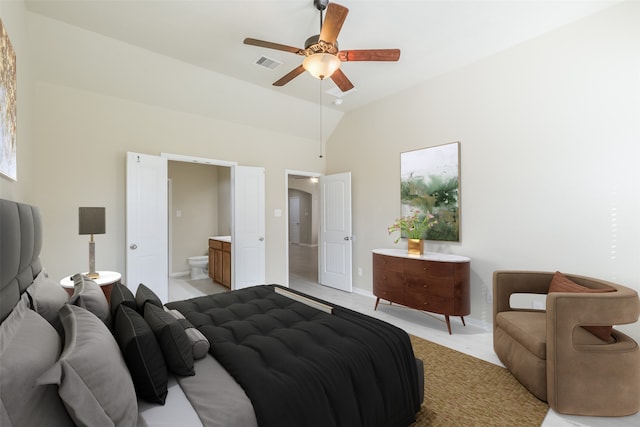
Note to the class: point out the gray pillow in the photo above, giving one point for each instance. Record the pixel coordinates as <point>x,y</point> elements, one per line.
<point>28,347</point>
<point>199,343</point>
<point>93,379</point>
<point>88,295</point>
<point>48,296</point>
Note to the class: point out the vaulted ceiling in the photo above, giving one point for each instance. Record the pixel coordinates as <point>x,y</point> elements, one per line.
<point>434,36</point>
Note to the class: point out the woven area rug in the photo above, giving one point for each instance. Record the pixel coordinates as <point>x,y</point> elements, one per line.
<point>461,390</point>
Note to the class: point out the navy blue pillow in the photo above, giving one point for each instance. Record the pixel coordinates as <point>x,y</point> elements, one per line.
<point>142,354</point>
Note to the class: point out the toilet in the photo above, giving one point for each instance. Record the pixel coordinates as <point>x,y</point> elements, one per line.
<point>198,266</point>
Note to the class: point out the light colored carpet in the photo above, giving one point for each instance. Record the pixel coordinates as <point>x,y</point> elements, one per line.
<point>461,390</point>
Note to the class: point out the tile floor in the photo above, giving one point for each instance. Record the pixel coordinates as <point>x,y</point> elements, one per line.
<point>474,339</point>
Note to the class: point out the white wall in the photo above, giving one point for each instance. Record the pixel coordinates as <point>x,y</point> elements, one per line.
<point>550,145</point>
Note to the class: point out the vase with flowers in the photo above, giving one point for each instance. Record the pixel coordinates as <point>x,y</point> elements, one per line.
<point>413,227</point>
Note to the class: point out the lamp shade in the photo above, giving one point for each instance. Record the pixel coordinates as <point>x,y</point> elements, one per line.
<point>321,65</point>
<point>92,220</point>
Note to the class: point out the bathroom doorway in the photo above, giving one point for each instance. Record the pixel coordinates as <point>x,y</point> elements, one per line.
<point>302,231</point>
<point>199,208</point>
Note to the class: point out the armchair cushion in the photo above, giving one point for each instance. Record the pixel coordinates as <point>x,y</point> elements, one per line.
<point>529,328</point>
<point>561,283</point>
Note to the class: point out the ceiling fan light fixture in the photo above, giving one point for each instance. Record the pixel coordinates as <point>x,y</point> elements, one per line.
<point>321,65</point>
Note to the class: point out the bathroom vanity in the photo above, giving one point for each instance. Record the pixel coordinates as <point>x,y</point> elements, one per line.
<point>220,260</point>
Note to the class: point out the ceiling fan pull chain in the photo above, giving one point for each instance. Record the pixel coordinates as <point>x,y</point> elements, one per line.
<point>320,96</point>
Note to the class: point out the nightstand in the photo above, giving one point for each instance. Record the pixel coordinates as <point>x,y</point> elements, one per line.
<point>106,281</point>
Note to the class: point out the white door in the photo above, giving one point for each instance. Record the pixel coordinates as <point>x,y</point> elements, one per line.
<point>294,220</point>
<point>247,227</point>
<point>335,238</point>
<point>146,227</point>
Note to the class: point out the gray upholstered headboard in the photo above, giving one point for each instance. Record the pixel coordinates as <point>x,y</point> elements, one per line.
<point>20,245</point>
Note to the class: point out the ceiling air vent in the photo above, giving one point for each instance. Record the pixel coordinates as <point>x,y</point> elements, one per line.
<point>269,63</point>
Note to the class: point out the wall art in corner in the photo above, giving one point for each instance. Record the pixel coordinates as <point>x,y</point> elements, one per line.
<point>8,106</point>
<point>430,183</point>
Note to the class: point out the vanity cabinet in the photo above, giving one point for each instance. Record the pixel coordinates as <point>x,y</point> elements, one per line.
<point>437,283</point>
<point>220,261</point>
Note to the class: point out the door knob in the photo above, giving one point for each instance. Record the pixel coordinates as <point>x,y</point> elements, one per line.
<point>134,246</point>
<point>261,239</point>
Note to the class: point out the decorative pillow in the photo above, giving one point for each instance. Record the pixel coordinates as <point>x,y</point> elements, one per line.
<point>199,343</point>
<point>142,354</point>
<point>120,294</point>
<point>93,379</point>
<point>48,296</point>
<point>144,295</point>
<point>561,283</point>
<point>174,342</point>
<point>28,347</point>
<point>88,295</point>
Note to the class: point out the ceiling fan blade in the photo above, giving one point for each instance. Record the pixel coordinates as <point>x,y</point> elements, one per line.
<point>270,45</point>
<point>290,76</point>
<point>341,80</point>
<point>369,55</point>
<point>334,18</point>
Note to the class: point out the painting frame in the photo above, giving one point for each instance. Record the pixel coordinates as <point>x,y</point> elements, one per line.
<point>430,184</point>
<point>8,107</point>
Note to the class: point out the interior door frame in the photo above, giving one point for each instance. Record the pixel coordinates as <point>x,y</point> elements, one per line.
<point>186,159</point>
<point>287,173</point>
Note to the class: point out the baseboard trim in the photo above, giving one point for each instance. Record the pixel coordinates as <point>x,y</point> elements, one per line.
<point>180,274</point>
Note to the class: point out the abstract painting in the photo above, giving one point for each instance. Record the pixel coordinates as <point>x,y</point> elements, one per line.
<point>8,106</point>
<point>430,183</point>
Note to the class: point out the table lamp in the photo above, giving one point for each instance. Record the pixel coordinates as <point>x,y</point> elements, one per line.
<point>92,221</point>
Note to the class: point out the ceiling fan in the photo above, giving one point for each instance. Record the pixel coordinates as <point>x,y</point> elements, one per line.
<point>322,56</point>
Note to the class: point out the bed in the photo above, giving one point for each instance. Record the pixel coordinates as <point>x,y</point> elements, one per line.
<point>263,355</point>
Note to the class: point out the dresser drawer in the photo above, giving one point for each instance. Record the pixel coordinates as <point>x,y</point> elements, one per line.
<point>388,285</point>
<point>439,286</point>
<point>428,269</point>
<point>431,303</point>
<point>388,263</point>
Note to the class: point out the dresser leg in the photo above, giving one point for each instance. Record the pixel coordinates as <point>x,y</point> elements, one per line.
<point>462,318</point>
<point>376,306</point>
<point>446,317</point>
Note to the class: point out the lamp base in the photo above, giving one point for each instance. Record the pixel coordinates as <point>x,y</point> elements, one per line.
<point>92,274</point>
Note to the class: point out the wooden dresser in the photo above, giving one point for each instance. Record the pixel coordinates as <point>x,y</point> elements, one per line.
<point>433,282</point>
<point>220,260</point>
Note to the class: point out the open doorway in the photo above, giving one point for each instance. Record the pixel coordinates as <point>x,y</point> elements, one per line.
<point>302,230</point>
<point>199,209</point>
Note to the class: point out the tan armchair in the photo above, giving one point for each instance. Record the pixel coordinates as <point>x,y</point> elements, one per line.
<point>559,361</point>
